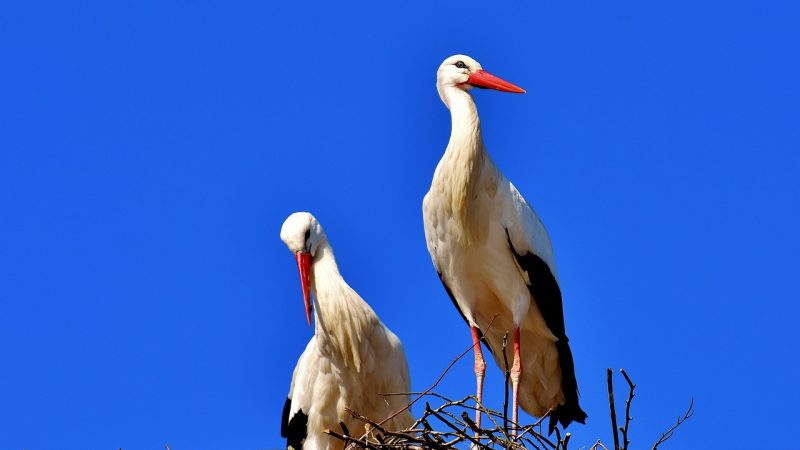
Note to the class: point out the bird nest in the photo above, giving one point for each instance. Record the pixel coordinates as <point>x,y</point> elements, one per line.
<point>449,425</point>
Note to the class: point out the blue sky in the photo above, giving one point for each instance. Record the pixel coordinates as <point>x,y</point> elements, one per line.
<point>149,153</point>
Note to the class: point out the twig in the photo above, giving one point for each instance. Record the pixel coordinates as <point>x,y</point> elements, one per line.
<point>610,382</point>
<point>668,434</point>
<point>543,440</point>
<point>377,426</point>
<point>438,380</point>
<point>530,428</point>
<point>352,440</point>
<point>628,418</point>
<point>504,428</point>
<point>446,422</point>
<point>457,429</point>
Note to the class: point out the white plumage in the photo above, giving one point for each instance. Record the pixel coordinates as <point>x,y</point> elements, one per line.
<point>494,256</point>
<point>349,362</point>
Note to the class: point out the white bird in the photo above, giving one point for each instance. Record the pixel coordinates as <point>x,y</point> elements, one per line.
<point>351,360</point>
<point>494,257</point>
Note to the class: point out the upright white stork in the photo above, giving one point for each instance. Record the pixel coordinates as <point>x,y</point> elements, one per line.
<point>349,362</point>
<point>494,257</point>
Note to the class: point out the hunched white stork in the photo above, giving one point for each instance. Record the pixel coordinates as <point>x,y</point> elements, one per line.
<point>494,257</point>
<point>349,362</point>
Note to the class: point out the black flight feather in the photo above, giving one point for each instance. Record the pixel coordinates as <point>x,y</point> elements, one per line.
<point>294,428</point>
<point>547,295</point>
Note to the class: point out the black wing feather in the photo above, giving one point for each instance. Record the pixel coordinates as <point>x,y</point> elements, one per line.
<point>547,295</point>
<point>294,429</point>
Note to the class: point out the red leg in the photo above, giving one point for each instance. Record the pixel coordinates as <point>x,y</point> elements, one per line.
<point>516,371</point>
<point>480,370</point>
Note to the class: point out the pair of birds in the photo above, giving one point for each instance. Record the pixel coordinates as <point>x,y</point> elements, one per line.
<point>496,263</point>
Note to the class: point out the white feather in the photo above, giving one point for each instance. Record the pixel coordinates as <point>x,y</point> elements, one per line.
<point>470,213</point>
<point>350,361</point>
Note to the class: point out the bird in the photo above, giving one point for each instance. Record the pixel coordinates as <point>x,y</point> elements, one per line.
<point>352,358</point>
<point>495,259</point>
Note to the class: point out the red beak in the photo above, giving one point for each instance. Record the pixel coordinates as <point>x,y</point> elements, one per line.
<point>304,266</point>
<point>484,79</point>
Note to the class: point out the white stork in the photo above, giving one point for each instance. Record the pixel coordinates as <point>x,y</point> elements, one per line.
<point>349,362</point>
<point>494,257</point>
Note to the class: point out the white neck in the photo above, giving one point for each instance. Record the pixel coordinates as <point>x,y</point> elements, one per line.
<point>340,315</point>
<point>460,169</point>
<point>465,123</point>
<point>324,278</point>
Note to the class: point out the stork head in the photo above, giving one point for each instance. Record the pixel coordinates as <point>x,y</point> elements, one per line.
<point>464,73</point>
<point>303,235</point>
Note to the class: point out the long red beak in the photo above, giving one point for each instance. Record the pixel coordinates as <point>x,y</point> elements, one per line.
<point>304,266</point>
<point>484,79</point>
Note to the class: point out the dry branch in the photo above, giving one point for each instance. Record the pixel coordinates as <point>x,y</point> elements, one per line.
<point>628,418</point>
<point>610,382</point>
<point>668,434</point>
<point>449,426</point>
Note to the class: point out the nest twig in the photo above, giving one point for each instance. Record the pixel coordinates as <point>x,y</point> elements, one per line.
<point>449,426</point>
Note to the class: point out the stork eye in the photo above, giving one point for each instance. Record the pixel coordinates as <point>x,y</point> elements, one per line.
<point>461,65</point>
<point>305,239</point>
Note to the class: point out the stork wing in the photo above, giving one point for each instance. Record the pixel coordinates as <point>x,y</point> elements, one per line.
<point>433,241</point>
<point>529,242</point>
<point>526,232</point>
<point>294,420</point>
<point>397,377</point>
<point>431,222</point>
<point>530,245</point>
